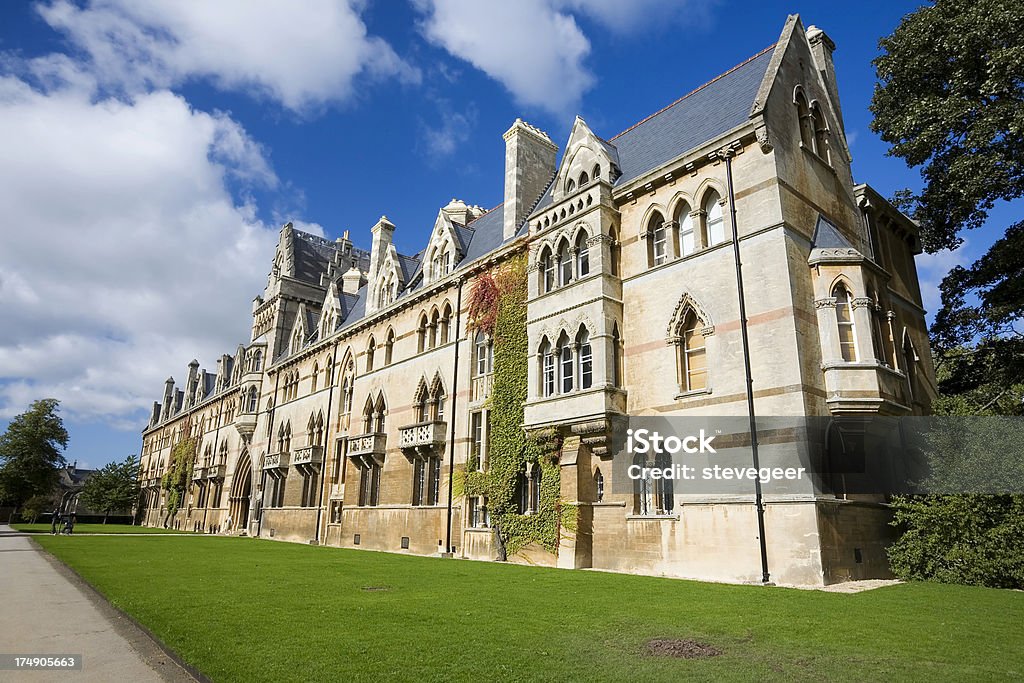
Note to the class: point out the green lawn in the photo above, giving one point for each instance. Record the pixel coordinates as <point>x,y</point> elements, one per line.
<point>96,529</point>
<point>250,610</point>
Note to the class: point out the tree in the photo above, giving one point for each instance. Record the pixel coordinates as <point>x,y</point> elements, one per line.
<point>114,487</point>
<point>950,99</point>
<point>35,506</point>
<point>32,453</point>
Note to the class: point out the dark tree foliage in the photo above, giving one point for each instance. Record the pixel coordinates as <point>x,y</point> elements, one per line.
<point>114,487</point>
<point>32,453</point>
<point>950,99</point>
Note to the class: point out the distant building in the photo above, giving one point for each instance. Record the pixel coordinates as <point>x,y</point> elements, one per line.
<point>333,422</point>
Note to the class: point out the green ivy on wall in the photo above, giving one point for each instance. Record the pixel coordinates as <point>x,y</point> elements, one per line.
<point>498,307</point>
<point>178,477</point>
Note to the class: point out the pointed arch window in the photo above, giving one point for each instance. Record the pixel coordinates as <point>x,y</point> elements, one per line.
<point>483,352</point>
<point>910,364</point>
<point>570,186</point>
<point>437,401</point>
<point>657,240</point>
<point>687,234</point>
<point>691,354</point>
<point>371,348</point>
<point>715,222</point>
<point>444,328</point>
<point>547,270</point>
<point>564,264</point>
<point>313,377</point>
<point>389,347</point>
<point>585,356</point>
<point>582,255</point>
<point>804,117</point>
<point>547,363</point>
<point>616,356</point>
<point>616,251</point>
<point>598,486</point>
<point>252,402</point>
<point>565,363</point>
<point>845,324</point>
<point>584,178</point>
<point>536,477</point>
<point>432,329</point>
<point>820,132</point>
<point>420,402</point>
<point>381,411</point>
<point>421,334</point>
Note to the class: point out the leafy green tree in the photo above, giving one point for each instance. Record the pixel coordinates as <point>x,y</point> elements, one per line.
<point>31,451</point>
<point>112,488</point>
<point>35,506</point>
<point>969,538</point>
<point>950,100</point>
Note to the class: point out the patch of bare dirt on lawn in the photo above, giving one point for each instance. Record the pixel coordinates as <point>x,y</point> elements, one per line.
<point>681,648</point>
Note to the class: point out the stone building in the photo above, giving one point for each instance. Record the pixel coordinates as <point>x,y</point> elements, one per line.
<point>362,386</point>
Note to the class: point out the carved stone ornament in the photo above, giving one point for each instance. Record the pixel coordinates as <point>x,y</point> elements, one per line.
<point>762,138</point>
<point>863,302</point>
<point>825,302</point>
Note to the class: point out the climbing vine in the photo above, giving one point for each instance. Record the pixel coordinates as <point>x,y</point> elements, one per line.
<point>178,477</point>
<point>498,307</point>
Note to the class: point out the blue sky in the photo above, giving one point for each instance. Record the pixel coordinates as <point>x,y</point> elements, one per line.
<point>153,150</point>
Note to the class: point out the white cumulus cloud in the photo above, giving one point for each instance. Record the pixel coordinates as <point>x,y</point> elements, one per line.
<point>118,223</point>
<point>529,46</point>
<point>301,55</point>
<point>536,48</point>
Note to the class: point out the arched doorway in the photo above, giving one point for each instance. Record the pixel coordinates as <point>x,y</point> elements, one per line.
<point>241,490</point>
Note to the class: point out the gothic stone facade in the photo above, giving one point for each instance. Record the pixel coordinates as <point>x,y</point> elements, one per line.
<point>336,422</point>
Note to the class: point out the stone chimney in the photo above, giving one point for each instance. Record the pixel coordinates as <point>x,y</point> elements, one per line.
<point>168,402</point>
<point>458,211</point>
<point>382,233</point>
<point>822,48</point>
<point>190,384</point>
<point>352,280</point>
<point>529,167</point>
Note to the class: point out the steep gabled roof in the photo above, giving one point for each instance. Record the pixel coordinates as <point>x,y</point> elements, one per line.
<point>714,108</point>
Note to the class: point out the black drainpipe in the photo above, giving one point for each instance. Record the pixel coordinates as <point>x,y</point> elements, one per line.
<point>451,436</point>
<point>758,498</point>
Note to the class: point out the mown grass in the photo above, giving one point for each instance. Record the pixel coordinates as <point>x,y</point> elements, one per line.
<point>250,610</point>
<point>44,528</point>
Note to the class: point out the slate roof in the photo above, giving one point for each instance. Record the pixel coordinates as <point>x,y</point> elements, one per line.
<point>827,236</point>
<point>464,235</point>
<point>311,255</point>
<point>703,114</point>
<point>712,109</point>
<point>410,265</point>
